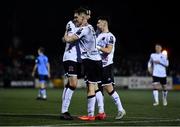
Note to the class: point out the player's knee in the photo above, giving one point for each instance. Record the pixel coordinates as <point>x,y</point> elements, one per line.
<point>74,85</point>
<point>155,86</point>
<point>111,92</point>
<point>164,87</point>
<point>91,90</point>
<point>70,86</point>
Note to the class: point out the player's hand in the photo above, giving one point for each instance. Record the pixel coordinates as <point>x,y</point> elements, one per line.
<point>150,70</point>
<point>33,73</point>
<point>63,40</point>
<point>98,47</point>
<point>49,75</point>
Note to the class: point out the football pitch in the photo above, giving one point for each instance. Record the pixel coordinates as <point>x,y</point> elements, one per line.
<point>18,107</point>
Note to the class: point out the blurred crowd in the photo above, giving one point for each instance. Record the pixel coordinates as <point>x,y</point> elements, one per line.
<point>18,66</point>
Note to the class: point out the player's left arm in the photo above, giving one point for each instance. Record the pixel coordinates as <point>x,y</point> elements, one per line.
<point>76,36</point>
<point>48,67</point>
<point>164,62</point>
<point>107,49</point>
<point>70,38</point>
<point>34,70</point>
<point>150,65</point>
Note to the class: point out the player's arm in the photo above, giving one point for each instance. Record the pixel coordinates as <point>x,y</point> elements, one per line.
<point>48,67</point>
<point>164,62</point>
<point>107,49</point>
<point>76,36</point>
<point>69,29</point>
<point>34,70</point>
<point>150,66</point>
<point>70,38</point>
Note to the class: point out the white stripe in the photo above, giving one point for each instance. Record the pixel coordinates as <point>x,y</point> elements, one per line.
<point>146,120</point>
<point>121,122</point>
<point>72,75</point>
<point>108,116</point>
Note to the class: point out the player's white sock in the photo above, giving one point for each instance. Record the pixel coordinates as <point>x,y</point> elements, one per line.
<point>164,94</point>
<point>156,96</point>
<point>116,100</point>
<point>43,91</point>
<point>66,99</point>
<point>100,101</point>
<point>39,93</point>
<point>91,105</point>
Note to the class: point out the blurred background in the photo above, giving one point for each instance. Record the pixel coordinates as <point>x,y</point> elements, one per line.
<point>137,25</point>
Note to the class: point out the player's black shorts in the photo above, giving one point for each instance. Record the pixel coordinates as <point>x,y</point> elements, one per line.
<point>43,78</point>
<point>162,81</point>
<point>72,68</point>
<point>92,70</point>
<point>108,76</point>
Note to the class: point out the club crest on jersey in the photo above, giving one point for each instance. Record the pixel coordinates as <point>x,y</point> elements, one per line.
<point>79,31</point>
<point>109,79</point>
<point>111,40</point>
<point>69,28</point>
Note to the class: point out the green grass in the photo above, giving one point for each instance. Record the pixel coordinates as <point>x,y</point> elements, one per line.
<point>18,107</point>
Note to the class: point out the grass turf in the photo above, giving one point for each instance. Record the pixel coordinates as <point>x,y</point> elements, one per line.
<point>18,107</point>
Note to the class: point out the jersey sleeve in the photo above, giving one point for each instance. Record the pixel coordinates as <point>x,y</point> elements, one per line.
<point>70,27</point>
<point>111,40</point>
<point>164,61</point>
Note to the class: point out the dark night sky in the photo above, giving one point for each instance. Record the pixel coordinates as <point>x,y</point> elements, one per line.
<point>135,23</point>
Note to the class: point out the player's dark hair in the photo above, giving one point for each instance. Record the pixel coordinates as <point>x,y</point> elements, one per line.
<point>88,11</point>
<point>105,18</point>
<point>158,44</point>
<point>42,49</point>
<point>82,10</point>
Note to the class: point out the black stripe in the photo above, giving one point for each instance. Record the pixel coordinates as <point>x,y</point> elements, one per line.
<point>97,90</point>
<point>90,96</point>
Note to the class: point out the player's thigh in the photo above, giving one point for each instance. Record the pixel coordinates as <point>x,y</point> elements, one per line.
<point>42,80</point>
<point>70,68</point>
<point>73,81</point>
<point>93,70</point>
<point>109,87</point>
<point>163,82</point>
<point>107,75</point>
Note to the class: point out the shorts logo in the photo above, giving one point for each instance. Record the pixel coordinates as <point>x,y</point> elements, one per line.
<point>71,68</point>
<point>109,79</point>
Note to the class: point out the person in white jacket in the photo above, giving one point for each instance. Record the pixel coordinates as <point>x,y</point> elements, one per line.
<point>157,66</point>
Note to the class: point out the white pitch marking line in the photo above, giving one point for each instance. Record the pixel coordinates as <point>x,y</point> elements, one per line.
<point>121,122</point>
<point>151,119</point>
<point>139,117</point>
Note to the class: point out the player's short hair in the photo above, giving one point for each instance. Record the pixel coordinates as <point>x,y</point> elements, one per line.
<point>105,18</point>
<point>42,49</point>
<point>88,11</point>
<point>82,10</point>
<point>159,44</point>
